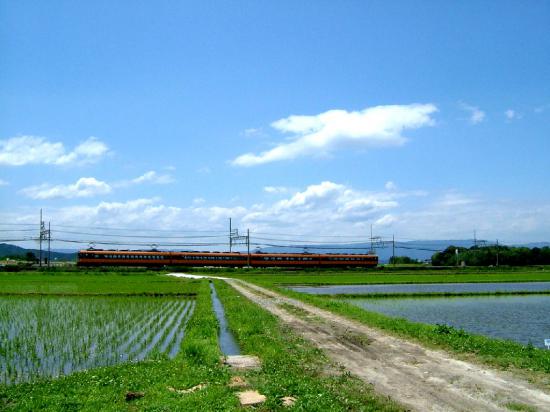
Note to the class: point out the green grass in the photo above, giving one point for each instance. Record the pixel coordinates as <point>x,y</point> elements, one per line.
<point>292,366</point>
<point>350,277</point>
<point>106,388</point>
<point>95,282</point>
<point>500,353</point>
<point>381,275</point>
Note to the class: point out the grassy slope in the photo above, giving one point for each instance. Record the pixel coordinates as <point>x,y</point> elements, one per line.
<point>291,366</point>
<point>105,388</point>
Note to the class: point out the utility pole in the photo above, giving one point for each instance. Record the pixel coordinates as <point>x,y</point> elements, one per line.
<point>393,248</point>
<point>248,246</point>
<point>371,246</point>
<point>475,240</point>
<point>230,238</point>
<point>49,242</point>
<point>40,230</point>
<point>497,252</point>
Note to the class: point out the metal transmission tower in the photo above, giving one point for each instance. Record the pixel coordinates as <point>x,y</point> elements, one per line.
<point>236,239</point>
<point>49,244</point>
<point>375,241</point>
<point>44,234</point>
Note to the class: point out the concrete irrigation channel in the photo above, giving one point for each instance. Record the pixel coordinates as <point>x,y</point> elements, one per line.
<point>420,379</point>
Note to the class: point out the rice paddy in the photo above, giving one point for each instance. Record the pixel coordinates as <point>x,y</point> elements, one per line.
<point>53,336</point>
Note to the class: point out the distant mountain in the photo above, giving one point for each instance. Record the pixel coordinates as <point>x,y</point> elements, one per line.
<point>12,250</point>
<point>535,244</point>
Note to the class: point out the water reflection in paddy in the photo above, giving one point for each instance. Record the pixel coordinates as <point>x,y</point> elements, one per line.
<point>523,319</point>
<point>426,288</point>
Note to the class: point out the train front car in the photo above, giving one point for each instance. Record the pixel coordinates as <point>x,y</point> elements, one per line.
<point>138,258</point>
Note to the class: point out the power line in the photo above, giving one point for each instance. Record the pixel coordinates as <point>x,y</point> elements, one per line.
<point>310,241</point>
<point>138,229</point>
<point>114,243</point>
<point>137,236</point>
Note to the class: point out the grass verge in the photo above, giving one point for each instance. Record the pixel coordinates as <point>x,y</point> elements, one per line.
<point>291,366</point>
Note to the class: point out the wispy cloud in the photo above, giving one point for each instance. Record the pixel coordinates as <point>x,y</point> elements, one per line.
<point>151,177</point>
<point>390,185</point>
<point>275,189</point>
<point>378,126</point>
<point>476,114</point>
<point>3,183</point>
<point>253,132</point>
<point>511,114</point>
<point>23,150</point>
<point>84,187</point>
<point>204,170</point>
<point>154,178</point>
<point>541,109</point>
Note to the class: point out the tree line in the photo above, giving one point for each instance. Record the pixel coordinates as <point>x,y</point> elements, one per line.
<point>492,256</point>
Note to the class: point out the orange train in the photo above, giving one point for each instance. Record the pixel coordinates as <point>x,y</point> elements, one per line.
<point>93,257</point>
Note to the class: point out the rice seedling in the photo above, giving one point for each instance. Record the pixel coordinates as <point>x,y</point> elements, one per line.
<point>52,336</point>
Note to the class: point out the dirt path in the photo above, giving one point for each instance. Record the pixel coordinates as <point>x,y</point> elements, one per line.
<point>420,379</point>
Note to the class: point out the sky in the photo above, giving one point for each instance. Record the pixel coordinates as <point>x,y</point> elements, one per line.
<point>424,120</point>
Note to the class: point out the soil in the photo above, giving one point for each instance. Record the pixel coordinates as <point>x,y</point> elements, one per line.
<point>420,379</point>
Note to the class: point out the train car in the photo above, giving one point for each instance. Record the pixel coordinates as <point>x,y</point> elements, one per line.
<point>223,259</point>
<point>93,257</point>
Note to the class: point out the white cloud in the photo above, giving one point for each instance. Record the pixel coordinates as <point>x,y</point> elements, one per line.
<point>253,132</point>
<point>390,185</point>
<point>275,189</point>
<point>150,177</point>
<point>137,213</point>
<point>384,221</point>
<point>322,209</point>
<point>323,133</point>
<point>84,187</point>
<point>154,178</point>
<point>476,114</point>
<point>512,115</point>
<point>453,198</point>
<point>23,150</point>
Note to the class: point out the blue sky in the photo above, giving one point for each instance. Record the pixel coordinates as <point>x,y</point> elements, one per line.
<point>424,119</point>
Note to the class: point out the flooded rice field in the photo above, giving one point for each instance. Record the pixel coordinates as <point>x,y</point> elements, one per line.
<point>52,336</point>
<point>523,318</point>
<point>426,288</point>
